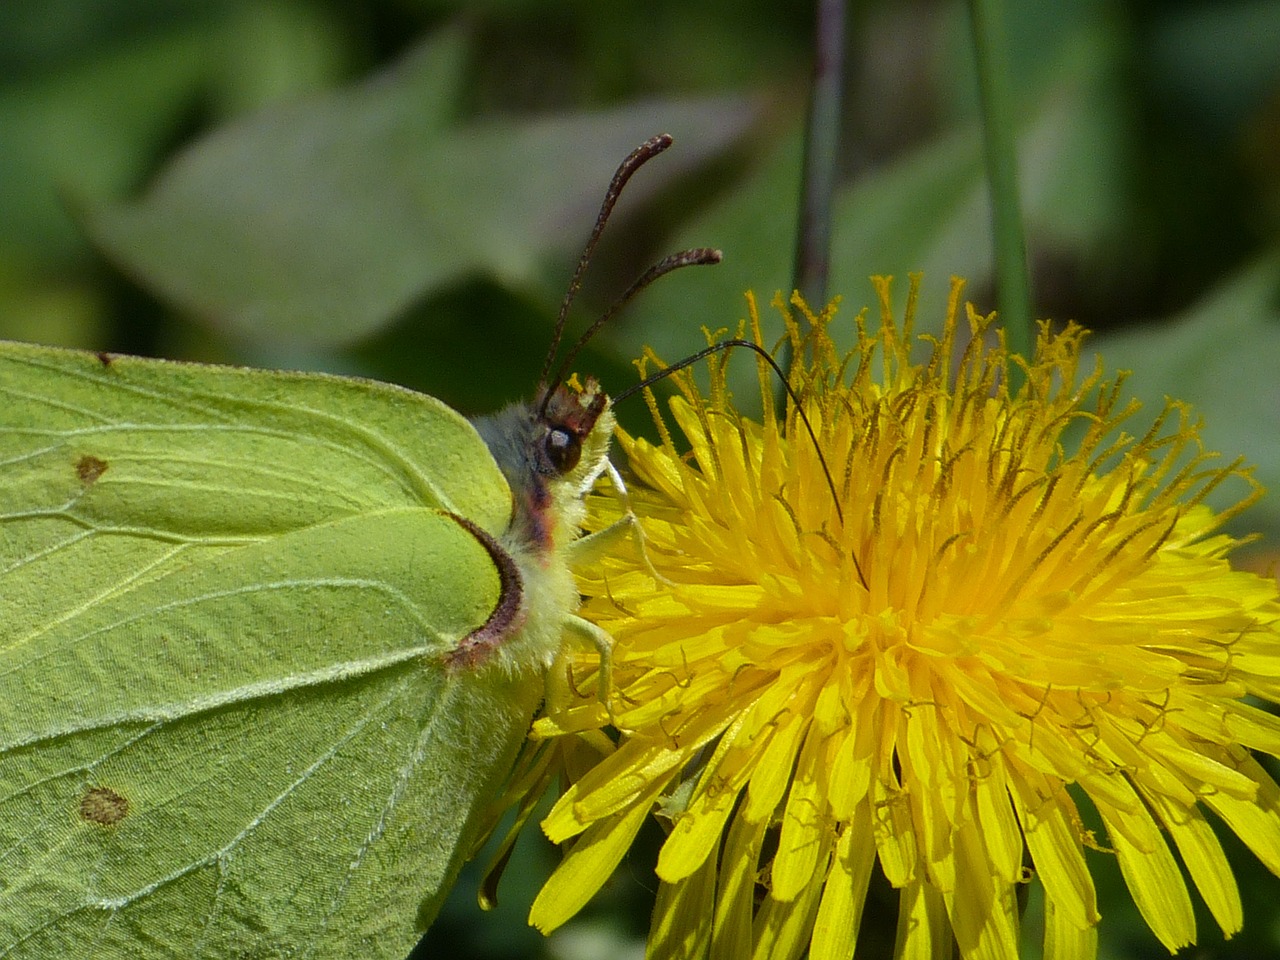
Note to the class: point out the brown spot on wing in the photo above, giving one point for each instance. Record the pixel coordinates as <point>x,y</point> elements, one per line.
<point>103,806</point>
<point>476,647</point>
<point>90,468</point>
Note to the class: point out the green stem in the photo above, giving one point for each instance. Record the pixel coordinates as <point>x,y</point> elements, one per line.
<point>812,263</point>
<point>821,154</point>
<point>1013,282</point>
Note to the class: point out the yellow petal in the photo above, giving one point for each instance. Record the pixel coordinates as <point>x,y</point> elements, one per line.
<point>1063,939</point>
<point>1048,820</point>
<point>1203,856</point>
<point>589,863</point>
<point>835,930</point>
<point>1152,875</point>
<point>682,915</point>
<point>736,896</point>
<point>804,823</point>
<point>923,931</point>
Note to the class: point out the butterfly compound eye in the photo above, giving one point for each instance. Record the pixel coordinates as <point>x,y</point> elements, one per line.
<point>563,420</point>
<point>562,448</point>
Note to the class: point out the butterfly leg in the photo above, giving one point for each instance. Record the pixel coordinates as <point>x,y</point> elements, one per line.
<point>600,639</point>
<point>595,546</point>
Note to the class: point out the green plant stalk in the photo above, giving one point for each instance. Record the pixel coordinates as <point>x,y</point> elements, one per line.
<point>811,265</point>
<point>1013,282</point>
<point>821,154</point>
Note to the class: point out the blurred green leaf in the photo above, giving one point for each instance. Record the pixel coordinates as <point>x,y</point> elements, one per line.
<point>325,220</point>
<point>268,52</point>
<point>91,130</point>
<point>91,127</point>
<point>1222,357</point>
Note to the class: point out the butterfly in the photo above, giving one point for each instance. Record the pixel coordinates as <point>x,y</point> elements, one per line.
<point>268,644</point>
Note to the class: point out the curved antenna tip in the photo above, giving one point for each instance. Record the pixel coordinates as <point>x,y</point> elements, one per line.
<point>636,159</point>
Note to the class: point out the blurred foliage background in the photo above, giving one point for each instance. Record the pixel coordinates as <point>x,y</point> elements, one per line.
<point>399,189</point>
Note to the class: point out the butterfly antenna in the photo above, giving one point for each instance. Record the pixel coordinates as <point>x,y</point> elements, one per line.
<point>761,352</point>
<point>635,160</point>
<point>696,256</point>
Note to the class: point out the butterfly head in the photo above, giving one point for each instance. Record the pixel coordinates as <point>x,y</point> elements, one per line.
<point>551,451</point>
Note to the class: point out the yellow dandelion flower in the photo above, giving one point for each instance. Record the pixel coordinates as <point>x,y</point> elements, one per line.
<point>921,630</point>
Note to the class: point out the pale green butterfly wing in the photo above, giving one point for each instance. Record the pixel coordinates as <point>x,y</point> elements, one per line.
<point>226,723</point>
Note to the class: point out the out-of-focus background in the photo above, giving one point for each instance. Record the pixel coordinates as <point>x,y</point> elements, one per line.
<point>400,188</point>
